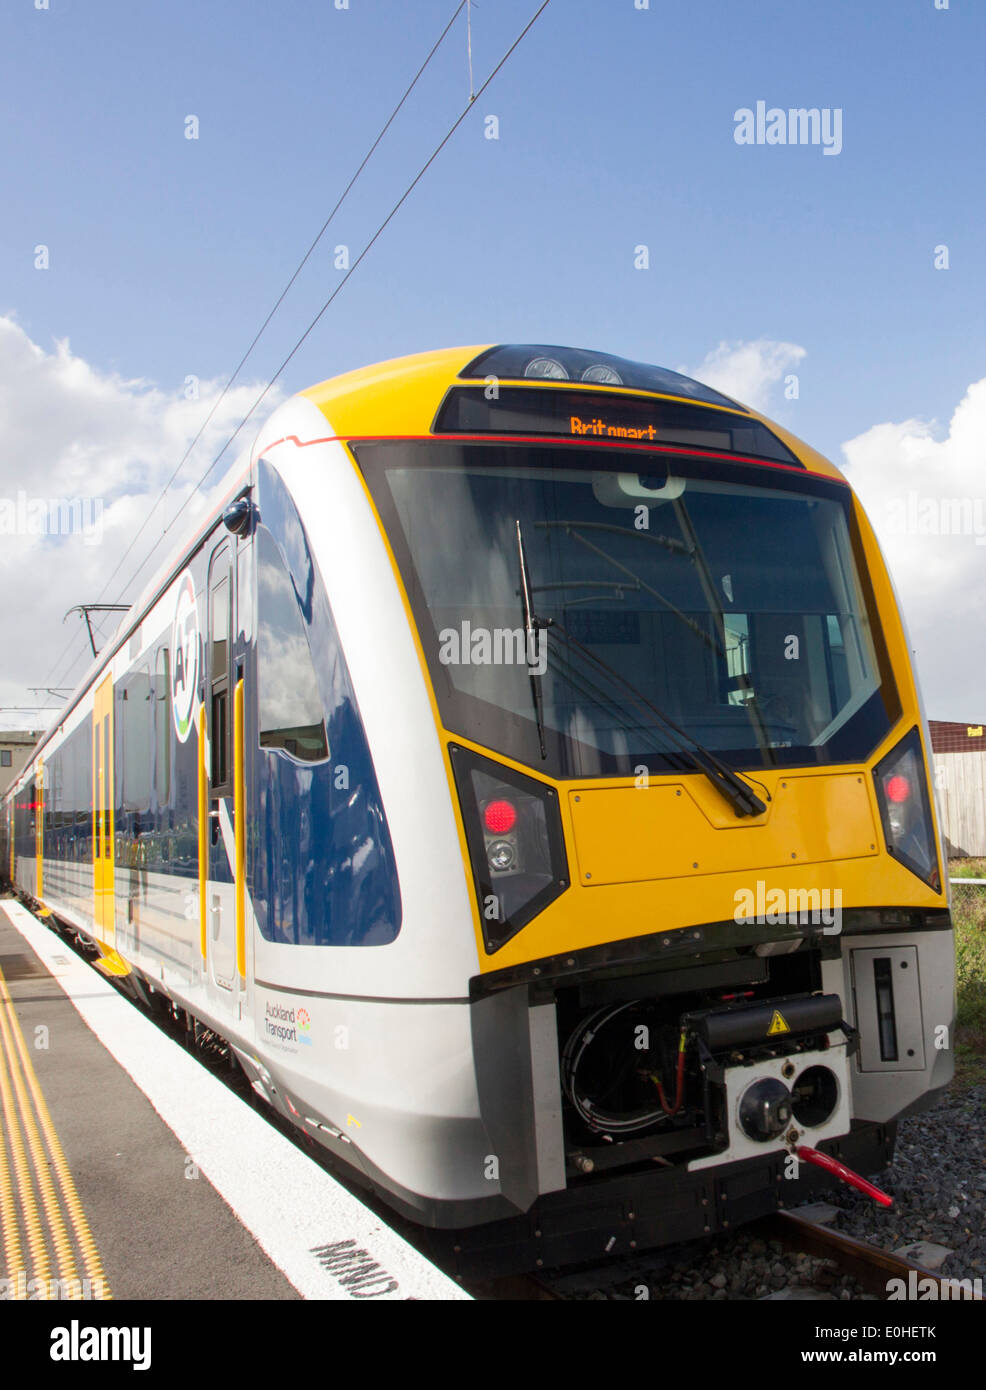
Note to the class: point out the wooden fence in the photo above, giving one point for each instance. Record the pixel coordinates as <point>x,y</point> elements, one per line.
<point>960,787</point>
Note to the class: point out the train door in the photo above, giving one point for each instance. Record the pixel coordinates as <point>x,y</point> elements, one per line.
<point>221,848</point>
<point>39,823</point>
<point>103,858</point>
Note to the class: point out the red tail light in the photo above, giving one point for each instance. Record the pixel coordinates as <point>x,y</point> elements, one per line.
<point>905,809</point>
<point>898,789</point>
<point>516,844</point>
<point>500,817</point>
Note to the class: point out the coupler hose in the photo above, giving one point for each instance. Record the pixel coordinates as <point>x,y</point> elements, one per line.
<point>832,1165</point>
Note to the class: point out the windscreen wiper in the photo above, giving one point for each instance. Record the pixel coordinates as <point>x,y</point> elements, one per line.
<point>617,707</point>
<point>738,793</point>
<point>531,630</point>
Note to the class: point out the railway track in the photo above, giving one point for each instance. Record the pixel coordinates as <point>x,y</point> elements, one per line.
<point>873,1268</point>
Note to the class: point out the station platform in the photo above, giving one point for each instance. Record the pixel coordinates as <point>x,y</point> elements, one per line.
<point>128,1171</point>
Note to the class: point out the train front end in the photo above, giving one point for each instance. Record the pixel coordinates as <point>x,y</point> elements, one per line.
<point>690,776</point>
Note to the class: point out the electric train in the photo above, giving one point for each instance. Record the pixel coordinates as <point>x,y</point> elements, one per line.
<point>522,770</point>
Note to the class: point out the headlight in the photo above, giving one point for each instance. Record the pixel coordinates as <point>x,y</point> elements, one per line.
<point>500,856</point>
<point>516,846</point>
<point>602,374</point>
<point>902,794</point>
<point>548,368</point>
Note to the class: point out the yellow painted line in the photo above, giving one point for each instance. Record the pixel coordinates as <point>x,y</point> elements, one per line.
<point>239,816</point>
<point>13,1253</point>
<point>37,1249</point>
<point>15,1048</point>
<point>60,1240</point>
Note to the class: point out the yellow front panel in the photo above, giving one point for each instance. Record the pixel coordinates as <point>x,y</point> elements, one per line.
<point>628,834</point>
<point>808,806</point>
<point>586,916</point>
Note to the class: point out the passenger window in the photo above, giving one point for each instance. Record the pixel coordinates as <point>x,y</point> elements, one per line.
<point>219,669</point>
<point>220,628</point>
<point>136,707</point>
<point>291,714</point>
<point>162,761</point>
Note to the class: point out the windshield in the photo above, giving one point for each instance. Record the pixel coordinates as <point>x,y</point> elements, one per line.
<point>592,611</point>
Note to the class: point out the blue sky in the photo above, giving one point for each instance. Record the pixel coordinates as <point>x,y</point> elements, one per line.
<point>616,130</point>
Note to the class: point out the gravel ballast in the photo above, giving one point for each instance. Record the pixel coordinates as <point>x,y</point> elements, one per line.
<point>937,1180</point>
<point>938,1183</point>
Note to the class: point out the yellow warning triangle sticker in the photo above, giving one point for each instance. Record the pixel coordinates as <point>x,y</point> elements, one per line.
<point>778,1024</point>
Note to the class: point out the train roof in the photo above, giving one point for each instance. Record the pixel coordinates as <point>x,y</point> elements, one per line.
<point>401,396</point>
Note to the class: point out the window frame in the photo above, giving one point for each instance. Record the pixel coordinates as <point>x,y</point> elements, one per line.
<point>513,735</point>
<point>219,687</point>
<point>262,538</point>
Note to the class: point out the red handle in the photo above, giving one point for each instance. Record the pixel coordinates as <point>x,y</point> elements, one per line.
<point>832,1165</point>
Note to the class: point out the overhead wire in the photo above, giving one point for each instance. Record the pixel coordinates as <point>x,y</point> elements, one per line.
<point>355,265</point>
<point>281,297</point>
<point>377,234</point>
<point>298,269</point>
<point>69,655</point>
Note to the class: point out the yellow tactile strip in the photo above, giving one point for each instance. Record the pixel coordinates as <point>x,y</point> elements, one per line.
<point>46,1239</point>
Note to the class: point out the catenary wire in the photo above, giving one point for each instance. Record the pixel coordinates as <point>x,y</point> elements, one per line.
<point>273,310</point>
<point>280,299</point>
<point>377,234</point>
<point>351,271</point>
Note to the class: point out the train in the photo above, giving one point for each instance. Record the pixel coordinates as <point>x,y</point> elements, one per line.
<point>522,770</point>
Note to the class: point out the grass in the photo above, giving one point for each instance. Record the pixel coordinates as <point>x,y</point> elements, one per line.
<point>969,917</point>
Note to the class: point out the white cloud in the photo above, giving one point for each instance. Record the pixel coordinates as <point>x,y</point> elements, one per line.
<point>748,371</point>
<point>924,490</point>
<point>107,445</point>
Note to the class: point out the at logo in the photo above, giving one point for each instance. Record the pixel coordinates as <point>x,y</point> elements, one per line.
<point>185,658</point>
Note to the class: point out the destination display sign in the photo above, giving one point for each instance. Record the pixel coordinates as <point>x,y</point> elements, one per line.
<point>609,418</point>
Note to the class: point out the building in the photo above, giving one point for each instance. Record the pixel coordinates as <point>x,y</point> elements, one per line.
<point>959,754</point>
<point>947,737</point>
<point>15,749</point>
